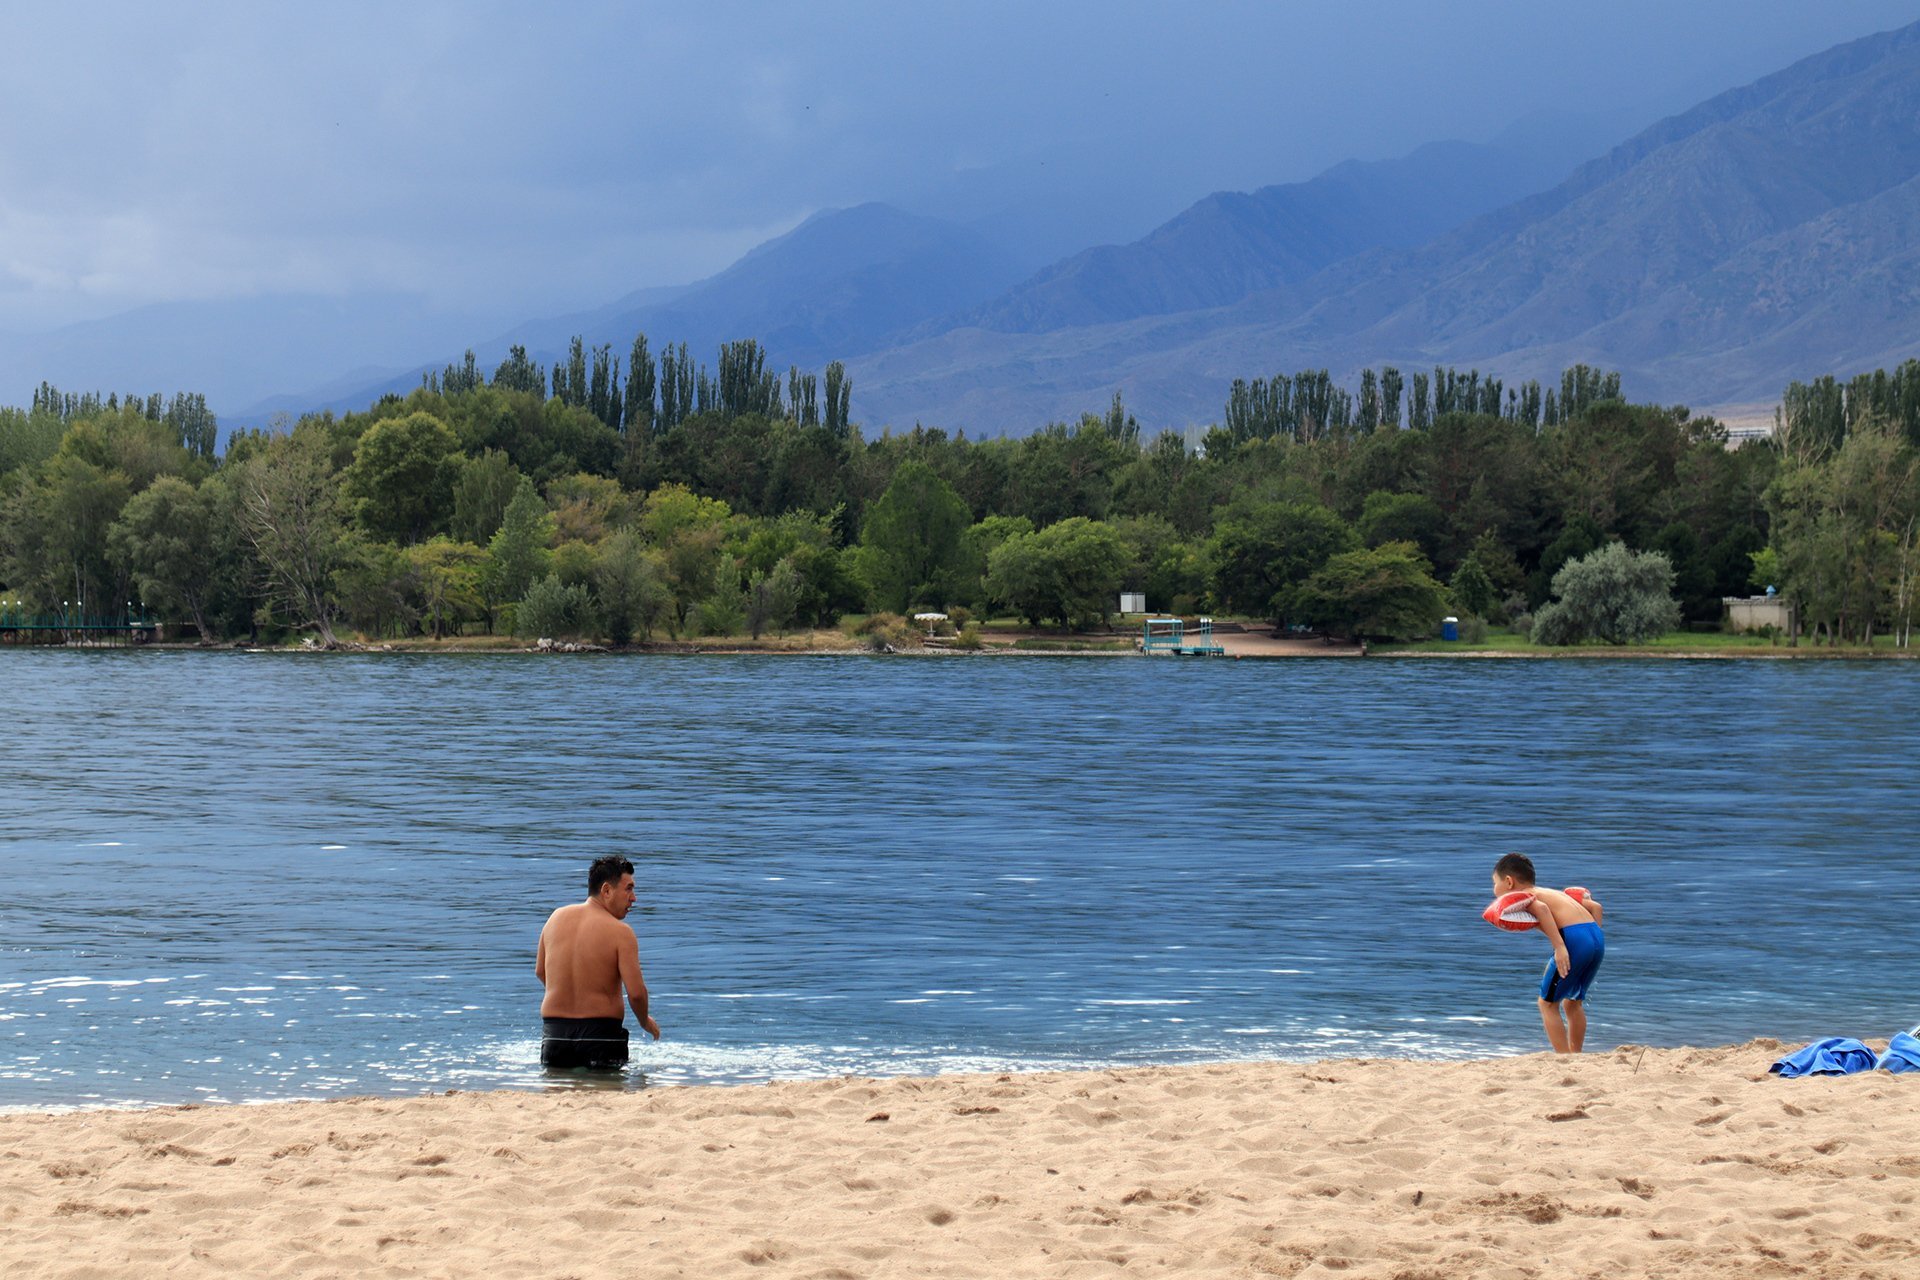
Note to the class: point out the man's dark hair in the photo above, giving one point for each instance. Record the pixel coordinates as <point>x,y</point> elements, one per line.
<point>1517,865</point>
<point>606,870</point>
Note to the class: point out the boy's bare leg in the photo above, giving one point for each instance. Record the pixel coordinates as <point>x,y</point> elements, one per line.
<point>1556,1029</point>
<point>1576,1025</point>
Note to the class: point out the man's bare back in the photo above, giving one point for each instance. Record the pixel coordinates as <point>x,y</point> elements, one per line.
<point>581,950</point>
<point>588,952</point>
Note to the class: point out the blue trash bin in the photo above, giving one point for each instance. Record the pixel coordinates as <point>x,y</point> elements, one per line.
<point>1449,628</point>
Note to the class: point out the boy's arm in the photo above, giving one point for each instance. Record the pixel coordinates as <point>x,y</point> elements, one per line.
<point>1551,927</point>
<point>1592,904</point>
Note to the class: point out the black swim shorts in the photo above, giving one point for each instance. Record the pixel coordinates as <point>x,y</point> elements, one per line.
<point>583,1042</point>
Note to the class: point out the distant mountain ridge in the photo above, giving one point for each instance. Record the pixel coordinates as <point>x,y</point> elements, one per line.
<point>1232,244</point>
<point>844,281</point>
<point>847,282</point>
<point>1684,257</point>
<point>1764,234</point>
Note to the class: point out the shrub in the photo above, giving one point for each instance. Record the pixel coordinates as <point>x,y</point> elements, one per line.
<point>893,636</point>
<point>1613,594</point>
<point>969,637</point>
<point>553,610</point>
<point>723,613</point>
<point>1473,630</point>
<point>960,614</point>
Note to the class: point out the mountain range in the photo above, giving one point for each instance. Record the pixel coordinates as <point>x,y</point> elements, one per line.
<point>1766,234</point>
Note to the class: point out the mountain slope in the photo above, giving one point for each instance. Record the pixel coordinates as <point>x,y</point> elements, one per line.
<point>840,283</point>
<point>1232,244</point>
<point>1760,236</point>
<point>232,351</point>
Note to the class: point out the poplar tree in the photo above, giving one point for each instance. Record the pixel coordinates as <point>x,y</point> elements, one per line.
<point>1390,386</point>
<point>637,412</point>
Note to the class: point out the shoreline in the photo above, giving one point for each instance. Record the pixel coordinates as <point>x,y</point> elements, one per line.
<point>1627,1163</point>
<point>1259,648</point>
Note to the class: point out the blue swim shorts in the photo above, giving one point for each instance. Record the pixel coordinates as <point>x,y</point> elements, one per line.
<point>1586,947</point>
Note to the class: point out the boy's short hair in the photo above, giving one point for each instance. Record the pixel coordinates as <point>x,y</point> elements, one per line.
<point>1517,865</point>
<point>606,870</point>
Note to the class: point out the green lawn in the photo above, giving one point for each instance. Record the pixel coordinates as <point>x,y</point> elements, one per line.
<point>1500,640</point>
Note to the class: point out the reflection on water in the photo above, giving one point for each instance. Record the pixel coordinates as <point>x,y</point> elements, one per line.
<point>237,877</point>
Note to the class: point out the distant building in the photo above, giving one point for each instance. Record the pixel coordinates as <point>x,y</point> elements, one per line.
<point>1757,613</point>
<point>1740,433</point>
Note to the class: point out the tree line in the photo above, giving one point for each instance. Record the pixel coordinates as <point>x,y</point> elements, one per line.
<point>674,499</point>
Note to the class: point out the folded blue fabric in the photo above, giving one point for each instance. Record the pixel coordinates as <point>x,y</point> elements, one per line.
<point>1834,1056</point>
<point>1903,1053</point>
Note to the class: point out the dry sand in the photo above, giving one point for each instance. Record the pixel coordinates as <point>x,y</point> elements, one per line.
<point>1696,1164</point>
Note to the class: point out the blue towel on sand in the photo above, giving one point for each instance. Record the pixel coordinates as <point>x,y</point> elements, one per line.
<point>1903,1054</point>
<point>1834,1056</point>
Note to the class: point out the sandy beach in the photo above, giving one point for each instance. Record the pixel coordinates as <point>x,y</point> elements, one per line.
<point>1624,1164</point>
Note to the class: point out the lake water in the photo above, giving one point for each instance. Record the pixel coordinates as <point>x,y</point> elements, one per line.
<point>232,877</point>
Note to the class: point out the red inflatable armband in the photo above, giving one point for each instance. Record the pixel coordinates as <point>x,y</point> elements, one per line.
<point>1509,911</point>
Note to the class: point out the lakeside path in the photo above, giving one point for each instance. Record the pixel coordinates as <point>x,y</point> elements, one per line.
<point>1626,1164</point>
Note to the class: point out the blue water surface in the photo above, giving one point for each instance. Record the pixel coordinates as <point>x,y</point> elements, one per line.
<point>236,876</point>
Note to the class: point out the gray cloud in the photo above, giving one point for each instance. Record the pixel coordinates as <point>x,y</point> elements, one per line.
<point>540,157</point>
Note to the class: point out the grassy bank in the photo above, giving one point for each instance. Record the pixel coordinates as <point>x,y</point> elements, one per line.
<point>1501,642</point>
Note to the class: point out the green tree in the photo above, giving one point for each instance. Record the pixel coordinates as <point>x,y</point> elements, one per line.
<point>631,587</point>
<point>723,610</point>
<point>1069,572</point>
<point>446,577</point>
<point>772,598</point>
<point>401,480</point>
<point>1402,517</point>
<point>27,439</point>
<point>1168,569</point>
<point>673,509</point>
<point>913,533</point>
<point>289,510</point>
<point>517,554</point>
<point>977,546</point>
<point>1841,523</point>
<point>1692,582</point>
<point>1614,595</point>
<point>1473,590</point>
<point>482,488</point>
<point>375,588</point>
<point>1386,592</point>
<point>1261,551</point>
<point>165,537</point>
<point>53,536</point>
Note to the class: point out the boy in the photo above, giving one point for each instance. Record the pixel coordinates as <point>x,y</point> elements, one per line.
<point>1578,947</point>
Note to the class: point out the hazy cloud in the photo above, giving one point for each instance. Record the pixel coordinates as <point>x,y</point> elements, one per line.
<point>538,157</point>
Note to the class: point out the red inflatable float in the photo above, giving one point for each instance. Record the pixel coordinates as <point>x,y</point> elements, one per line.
<point>1512,910</point>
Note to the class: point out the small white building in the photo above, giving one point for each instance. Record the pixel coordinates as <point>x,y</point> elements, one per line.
<point>1757,613</point>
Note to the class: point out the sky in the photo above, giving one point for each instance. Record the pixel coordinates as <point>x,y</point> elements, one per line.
<point>515,159</point>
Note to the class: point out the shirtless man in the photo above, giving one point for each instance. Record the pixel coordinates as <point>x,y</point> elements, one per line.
<point>1578,947</point>
<point>587,953</point>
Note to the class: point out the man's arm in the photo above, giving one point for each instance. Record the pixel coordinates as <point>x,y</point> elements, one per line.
<point>1551,927</point>
<point>1592,904</point>
<point>540,959</point>
<point>635,983</point>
